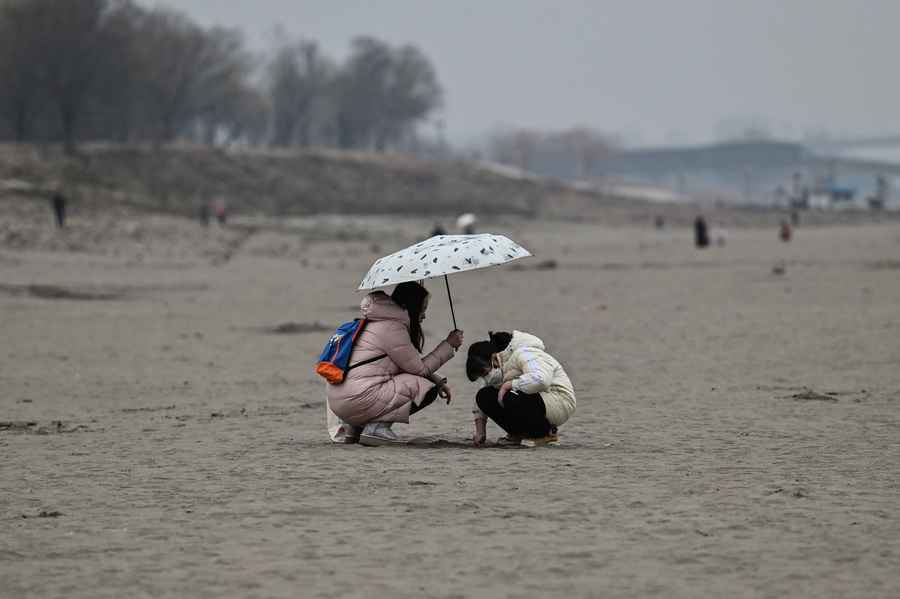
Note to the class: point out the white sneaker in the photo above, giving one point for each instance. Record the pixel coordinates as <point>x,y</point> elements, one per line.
<point>347,433</point>
<point>509,441</point>
<point>378,433</point>
<point>338,430</point>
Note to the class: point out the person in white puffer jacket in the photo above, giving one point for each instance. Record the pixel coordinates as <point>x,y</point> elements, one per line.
<point>527,392</point>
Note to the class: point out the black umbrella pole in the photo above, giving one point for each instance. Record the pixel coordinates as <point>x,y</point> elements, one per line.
<point>450,297</point>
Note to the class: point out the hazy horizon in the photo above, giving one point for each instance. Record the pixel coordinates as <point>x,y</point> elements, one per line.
<point>653,73</point>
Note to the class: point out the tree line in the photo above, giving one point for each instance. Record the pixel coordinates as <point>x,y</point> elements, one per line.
<point>574,153</point>
<point>73,71</point>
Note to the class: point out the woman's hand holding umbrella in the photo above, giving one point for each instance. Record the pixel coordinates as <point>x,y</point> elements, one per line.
<point>455,339</point>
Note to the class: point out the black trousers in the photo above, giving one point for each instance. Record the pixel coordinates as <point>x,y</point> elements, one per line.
<point>59,209</point>
<point>429,398</point>
<point>522,414</point>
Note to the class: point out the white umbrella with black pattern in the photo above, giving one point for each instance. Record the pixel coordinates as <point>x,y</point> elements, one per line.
<point>440,256</point>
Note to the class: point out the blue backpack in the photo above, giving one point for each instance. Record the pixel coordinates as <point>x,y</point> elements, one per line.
<point>334,362</point>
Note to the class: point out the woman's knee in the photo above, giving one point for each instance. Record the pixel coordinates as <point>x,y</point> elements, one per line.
<point>486,399</point>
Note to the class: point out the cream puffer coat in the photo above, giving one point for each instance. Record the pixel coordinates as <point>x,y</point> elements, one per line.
<point>531,369</point>
<point>381,391</point>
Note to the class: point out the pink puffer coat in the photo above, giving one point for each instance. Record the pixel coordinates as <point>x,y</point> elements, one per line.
<point>381,391</point>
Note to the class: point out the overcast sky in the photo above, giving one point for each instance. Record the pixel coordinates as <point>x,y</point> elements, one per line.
<point>657,72</point>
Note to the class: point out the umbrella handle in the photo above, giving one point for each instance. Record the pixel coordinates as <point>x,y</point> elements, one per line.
<point>449,297</point>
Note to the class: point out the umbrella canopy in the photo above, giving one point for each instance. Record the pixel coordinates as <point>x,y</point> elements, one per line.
<point>442,255</point>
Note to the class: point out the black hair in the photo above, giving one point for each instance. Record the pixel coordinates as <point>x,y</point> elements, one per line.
<point>480,352</point>
<point>479,359</point>
<point>499,340</point>
<point>411,296</point>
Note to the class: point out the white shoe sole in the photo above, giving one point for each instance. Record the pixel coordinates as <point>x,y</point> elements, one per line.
<point>539,443</point>
<point>373,441</point>
<point>345,440</point>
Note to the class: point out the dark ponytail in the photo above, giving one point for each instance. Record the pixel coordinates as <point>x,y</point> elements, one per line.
<point>499,340</point>
<point>411,296</point>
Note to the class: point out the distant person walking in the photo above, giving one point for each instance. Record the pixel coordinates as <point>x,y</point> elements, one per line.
<point>720,236</point>
<point>466,223</point>
<point>221,211</point>
<point>58,200</point>
<point>785,232</point>
<point>701,232</point>
<point>204,214</point>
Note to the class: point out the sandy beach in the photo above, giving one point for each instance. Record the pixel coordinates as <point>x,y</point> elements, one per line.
<point>737,431</point>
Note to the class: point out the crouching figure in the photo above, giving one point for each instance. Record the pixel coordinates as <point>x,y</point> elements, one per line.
<point>526,391</point>
<point>389,379</point>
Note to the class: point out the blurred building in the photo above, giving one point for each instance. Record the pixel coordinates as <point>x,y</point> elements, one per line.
<point>856,175</point>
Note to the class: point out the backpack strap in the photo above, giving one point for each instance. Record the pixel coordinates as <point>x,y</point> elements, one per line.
<point>364,362</point>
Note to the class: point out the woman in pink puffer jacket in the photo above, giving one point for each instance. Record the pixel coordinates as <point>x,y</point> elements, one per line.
<point>393,379</point>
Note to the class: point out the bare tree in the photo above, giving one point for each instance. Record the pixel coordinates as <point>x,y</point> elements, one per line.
<point>59,50</point>
<point>240,115</point>
<point>114,102</point>
<point>298,81</point>
<point>516,147</point>
<point>574,152</point>
<point>224,91</point>
<point>412,92</point>
<point>167,46</point>
<point>76,50</point>
<point>381,93</point>
<point>110,69</point>
<point>19,52</point>
<point>359,92</point>
<point>585,147</point>
<point>285,86</point>
<point>186,71</point>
